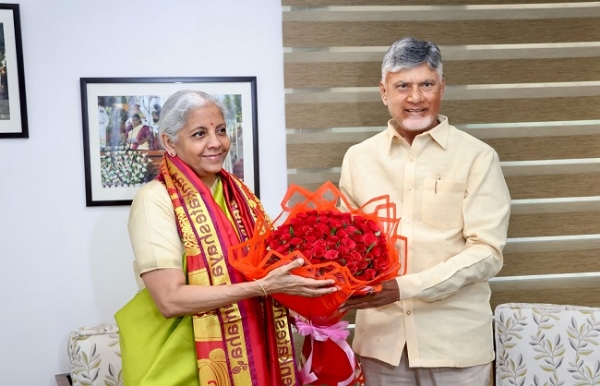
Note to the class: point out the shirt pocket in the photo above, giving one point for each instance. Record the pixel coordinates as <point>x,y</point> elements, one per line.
<point>443,203</point>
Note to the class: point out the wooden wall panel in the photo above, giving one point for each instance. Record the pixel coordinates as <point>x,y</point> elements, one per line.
<point>548,263</point>
<point>457,72</point>
<point>589,297</point>
<point>546,148</point>
<point>455,32</point>
<point>555,224</point>
<point>315,3</point>
<point>554,185</point>
<point>328,115</point>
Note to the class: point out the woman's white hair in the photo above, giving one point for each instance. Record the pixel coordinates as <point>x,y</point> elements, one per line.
<point>175,110</point>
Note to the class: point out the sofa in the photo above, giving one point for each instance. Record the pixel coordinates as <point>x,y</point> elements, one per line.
<point>536,344</point>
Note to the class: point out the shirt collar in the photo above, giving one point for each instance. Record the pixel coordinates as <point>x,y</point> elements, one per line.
<point>439,133</point>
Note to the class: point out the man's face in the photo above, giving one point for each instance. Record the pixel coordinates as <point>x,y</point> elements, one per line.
<point>413,97</point>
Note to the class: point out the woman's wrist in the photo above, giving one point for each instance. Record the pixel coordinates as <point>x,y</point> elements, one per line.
<point>262,288</point>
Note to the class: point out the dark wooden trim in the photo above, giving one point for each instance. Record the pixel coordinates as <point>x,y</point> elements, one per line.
<point>63,379</point>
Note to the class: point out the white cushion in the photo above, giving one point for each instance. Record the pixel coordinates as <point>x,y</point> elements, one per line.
<point>547,344</point>
<point>95,356</point>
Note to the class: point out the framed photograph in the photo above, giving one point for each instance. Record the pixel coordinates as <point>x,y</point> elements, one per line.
<point>13,105</point>
<point>115,109</point>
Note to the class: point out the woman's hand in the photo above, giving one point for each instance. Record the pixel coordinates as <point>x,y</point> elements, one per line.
<point>282,280</point>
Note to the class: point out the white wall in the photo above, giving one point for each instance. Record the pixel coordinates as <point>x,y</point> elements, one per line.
<point>64,265</point>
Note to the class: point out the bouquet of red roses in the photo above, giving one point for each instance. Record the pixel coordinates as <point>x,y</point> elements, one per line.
<point>356,247</point>
<point>324,236</point>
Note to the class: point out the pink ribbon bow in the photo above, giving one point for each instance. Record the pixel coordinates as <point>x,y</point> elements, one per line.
<point>338,334</point>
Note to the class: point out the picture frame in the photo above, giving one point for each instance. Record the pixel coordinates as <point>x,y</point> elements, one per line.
<point>115,169</point>
<point>13,102</point>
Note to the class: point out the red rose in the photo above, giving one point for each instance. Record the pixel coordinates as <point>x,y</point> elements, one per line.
<point>369,239</point>
<point>319,247</point>
<point>286,236</point>
<point>349,243</point>
<point>369,274</point>
<point>295,241</point>
<point>331,254</point>
<point>380,263</point>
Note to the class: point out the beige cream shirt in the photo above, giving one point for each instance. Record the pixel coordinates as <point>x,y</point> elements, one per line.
<point>452,196</point>
<point>153,231</point>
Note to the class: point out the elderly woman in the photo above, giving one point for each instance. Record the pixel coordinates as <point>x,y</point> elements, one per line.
<point>197,210</point>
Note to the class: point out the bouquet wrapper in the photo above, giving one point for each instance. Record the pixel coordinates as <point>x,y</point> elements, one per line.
<point>254,259</point>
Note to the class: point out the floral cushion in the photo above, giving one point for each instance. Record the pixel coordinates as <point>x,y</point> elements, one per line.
<point>95,356</point>
<point>547,345</point>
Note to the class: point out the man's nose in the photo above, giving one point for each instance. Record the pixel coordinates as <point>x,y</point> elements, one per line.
<point>414,95</point>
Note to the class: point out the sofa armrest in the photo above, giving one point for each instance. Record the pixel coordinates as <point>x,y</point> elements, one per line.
<point>95,356</point>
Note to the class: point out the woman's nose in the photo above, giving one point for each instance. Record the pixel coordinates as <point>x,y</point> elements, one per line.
<point>214,140</point>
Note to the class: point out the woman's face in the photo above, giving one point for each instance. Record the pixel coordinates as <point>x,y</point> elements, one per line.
<point>136,121</point>
<point>202,143</point>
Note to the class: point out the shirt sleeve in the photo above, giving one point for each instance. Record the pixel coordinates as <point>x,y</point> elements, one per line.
<point>486,211</point>
<point>153,231</point>
<point>345,185</point>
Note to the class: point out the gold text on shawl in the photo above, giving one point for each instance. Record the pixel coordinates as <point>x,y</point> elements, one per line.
<point>208,241</point>
<point>285,352</point>
<point>237,216</point>
<point>235,344</point>
<point>206,235</point>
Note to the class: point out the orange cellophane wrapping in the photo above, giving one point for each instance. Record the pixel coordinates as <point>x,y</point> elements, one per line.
<point>251,257</point>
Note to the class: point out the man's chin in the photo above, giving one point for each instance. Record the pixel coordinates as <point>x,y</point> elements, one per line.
<point>421,124</point>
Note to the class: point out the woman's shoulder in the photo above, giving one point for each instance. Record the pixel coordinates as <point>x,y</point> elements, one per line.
<point>152,188</point>
<point>153,193</point>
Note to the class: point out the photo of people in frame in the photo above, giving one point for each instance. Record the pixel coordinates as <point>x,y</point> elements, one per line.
<point>130,149</point>
<point>4,105</point>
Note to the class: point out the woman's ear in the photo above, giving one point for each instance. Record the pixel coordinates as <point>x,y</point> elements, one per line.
<point>169,147</point>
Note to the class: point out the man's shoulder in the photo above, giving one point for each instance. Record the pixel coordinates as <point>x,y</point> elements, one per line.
<point>470,140</point>
<point>373,141</point>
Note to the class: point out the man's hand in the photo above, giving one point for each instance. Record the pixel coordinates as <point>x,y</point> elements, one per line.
<point>389,293</point>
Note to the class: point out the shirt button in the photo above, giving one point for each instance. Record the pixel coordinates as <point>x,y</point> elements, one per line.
<point>407,313</point>
<point>408,221</point>
<point>409,188</point>
<point>412,159</point>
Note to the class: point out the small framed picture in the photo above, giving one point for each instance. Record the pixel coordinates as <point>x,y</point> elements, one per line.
<point>13,104</point>
<point>115,108</point>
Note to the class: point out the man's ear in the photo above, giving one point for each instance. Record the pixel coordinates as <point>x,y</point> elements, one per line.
<point>382,92</point>
<point>442,86</point>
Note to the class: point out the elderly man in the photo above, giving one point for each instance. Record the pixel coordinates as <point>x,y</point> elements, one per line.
<point>433,325</point>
